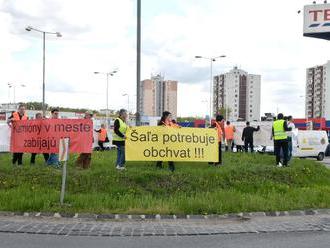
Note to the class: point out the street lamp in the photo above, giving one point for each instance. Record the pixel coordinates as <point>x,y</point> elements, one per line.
<point>211,59</point>
<point>138,60</point>
<point>58,34</point>
<point>108,74</point>
<point>12,85</point>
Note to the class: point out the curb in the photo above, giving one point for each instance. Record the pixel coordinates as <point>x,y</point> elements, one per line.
<point>144,217</point>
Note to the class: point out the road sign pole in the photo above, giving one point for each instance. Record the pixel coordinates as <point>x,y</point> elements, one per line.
<point>63,155</point>
<point>63,183</point>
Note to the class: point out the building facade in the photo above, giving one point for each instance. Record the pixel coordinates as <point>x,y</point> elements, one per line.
<point>239,93</point>
<point>317,102</point>
<point>156,96</point>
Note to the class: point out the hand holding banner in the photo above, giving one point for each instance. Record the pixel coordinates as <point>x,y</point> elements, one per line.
<point>171,144</point>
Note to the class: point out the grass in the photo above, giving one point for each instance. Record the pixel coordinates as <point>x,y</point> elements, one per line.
<point>247,182</point>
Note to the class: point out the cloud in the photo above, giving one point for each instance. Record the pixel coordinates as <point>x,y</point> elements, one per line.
<point>261,37</point>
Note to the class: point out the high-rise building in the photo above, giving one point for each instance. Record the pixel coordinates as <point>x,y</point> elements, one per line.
<point>239,93</point>
<point>156,96</point>
<point>318,91</point>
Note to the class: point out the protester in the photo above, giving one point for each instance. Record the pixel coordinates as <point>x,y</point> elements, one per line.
<point>290,134</point>
<point>17,116</point>
<point>38,116</point>
<point>102,137</point>
<point>119,136</point>
<point>84,159</point>
<point>166,120</point>
<point>229,135</point>
<point>280,136</point>
<point>219,125</point>
<point>247,136</point>
<point>53,159</point>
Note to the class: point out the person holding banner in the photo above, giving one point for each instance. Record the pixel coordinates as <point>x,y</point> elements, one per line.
<point>219,126</point>
<point>119,136</point>
<point>166,121</point>
<point>17,116</point>
<point>247,136</point>
<point>84,159</point>
<point>53,157</point>
<point>38,116</point>
<point>279,129</point>
<point>290,135</point>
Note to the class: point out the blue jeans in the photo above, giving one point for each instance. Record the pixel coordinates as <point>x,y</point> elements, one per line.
<point>53,159</point>
<point>121,156</point>
<point>289,148</point>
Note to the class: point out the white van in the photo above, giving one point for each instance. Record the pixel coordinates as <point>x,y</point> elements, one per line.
<point>310,144</point>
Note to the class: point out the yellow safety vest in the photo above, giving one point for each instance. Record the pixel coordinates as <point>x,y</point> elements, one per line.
<point>279,132</point>
<point>122,128</point>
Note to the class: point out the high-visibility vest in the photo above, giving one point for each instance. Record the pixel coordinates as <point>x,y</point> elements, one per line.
<point>17,118</point>
<point>122,128</point>
<point>229,132</point>
<point>102,134</point>
<point>219,129</point>
<point>279,132</point>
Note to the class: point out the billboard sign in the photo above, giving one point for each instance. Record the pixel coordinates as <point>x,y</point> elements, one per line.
<point>317,21</point>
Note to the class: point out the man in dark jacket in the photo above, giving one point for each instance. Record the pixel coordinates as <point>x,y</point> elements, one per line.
<point>247,136</point>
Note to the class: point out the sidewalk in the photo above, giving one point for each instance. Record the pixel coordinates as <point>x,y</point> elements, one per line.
<point>165,227</point>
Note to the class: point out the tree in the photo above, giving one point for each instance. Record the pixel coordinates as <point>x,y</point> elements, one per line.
<point>222,111</point>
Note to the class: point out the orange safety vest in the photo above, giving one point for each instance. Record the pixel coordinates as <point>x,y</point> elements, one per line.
<point>17,118</point>
<point>102,134</point>
<point>219,129</point>
<point>229,132</point>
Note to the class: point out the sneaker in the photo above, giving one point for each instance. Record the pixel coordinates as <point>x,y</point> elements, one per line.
<point>279,165</point>
<point>118,167</point>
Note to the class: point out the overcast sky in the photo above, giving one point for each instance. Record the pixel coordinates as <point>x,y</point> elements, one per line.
<point>261,37</point>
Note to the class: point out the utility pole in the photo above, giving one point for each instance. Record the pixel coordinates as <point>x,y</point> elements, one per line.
<point>138,61</point>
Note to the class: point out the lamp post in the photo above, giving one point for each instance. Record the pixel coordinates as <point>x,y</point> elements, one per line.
<point>108,74</point>
<point>58,34</point>
<point>12,85</point>
<point>138,59</point>
<point>211,59</point>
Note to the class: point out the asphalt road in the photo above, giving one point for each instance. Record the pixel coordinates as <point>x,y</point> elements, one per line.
<point>326,161</point>
<point>269,240</point>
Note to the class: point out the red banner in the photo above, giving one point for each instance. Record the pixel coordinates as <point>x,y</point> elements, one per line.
<point>42,136</point>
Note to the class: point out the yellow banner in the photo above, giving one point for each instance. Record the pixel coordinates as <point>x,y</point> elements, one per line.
<point>171,144</point>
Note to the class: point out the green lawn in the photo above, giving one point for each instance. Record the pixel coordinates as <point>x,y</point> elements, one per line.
<point>247,182</point>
